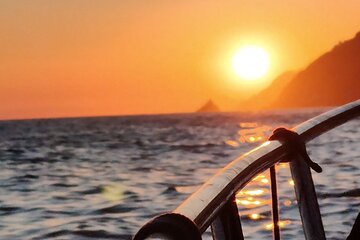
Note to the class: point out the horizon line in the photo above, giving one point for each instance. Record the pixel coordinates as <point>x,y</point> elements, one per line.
<point>160,114</point>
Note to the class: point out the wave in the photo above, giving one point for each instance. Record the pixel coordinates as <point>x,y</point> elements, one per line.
<point>96,234</point>
<point>350,193</point>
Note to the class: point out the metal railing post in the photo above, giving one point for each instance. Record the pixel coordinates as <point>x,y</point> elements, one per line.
<point>227,225</point>
<point>275,205</point>
<point>307,200</point>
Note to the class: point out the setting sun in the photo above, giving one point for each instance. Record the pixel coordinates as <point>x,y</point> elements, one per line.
<point>250,62</point>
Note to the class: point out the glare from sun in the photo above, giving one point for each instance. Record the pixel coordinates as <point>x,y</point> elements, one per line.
<point>250,62</point>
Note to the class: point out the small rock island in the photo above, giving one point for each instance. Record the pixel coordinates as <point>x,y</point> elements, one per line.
<point>209,106</point>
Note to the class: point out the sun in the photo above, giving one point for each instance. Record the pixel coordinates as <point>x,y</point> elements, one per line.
<point>250,62</point>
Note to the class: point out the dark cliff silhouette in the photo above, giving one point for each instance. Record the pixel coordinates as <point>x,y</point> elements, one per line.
<point>268,95</point>
<point>333,79</point>
<point>209,106</point>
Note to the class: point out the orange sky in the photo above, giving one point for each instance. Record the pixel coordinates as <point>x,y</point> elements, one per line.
<point>81,58</point>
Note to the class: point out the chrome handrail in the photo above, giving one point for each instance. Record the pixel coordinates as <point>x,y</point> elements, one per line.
<point>207,203</point>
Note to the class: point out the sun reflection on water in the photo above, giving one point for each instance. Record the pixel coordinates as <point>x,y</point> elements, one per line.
<point>232,143</point>
<point>264,180</point>
<point>287,203</point>
<point>283,165</point>
<point>248,202</point>
<point>254,192</point>
<point>254,216</point>
<point>281,224</point>
<point>254,201</point>
<point>260,176</point>
<point>250,132</point>
<point>253,132</point>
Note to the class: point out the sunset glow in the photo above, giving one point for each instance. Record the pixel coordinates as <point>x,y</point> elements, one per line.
<point>91,58</point>
<point>251,63</point>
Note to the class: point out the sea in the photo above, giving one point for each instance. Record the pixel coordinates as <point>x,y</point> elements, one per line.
<point>104,177</point>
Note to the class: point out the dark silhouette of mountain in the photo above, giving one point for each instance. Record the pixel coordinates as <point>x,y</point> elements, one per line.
<point>333,79</point>
<point>209,106</point>
<point>269,94</point>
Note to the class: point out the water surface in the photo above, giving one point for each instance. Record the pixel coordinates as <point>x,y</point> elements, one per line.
<point>102,178</point>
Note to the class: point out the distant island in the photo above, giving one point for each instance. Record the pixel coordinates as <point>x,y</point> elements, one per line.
<point>209,106</point>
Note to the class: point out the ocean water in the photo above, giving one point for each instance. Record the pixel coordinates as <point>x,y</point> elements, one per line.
<point>102,178</point>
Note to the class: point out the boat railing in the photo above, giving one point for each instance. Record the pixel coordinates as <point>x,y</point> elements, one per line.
<point>213,204</point>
